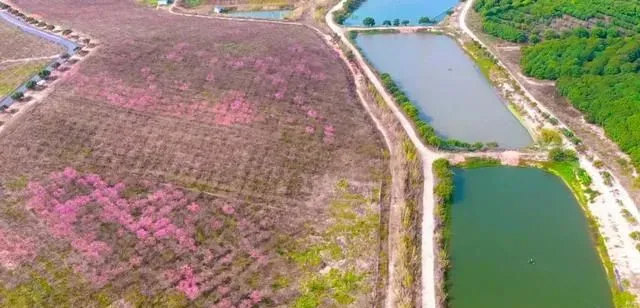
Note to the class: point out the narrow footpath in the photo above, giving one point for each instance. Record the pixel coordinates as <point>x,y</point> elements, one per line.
<point>427,155</point>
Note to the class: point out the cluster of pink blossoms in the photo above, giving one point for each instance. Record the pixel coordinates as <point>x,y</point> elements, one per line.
<point>73,207</point>
<point>14,249</point>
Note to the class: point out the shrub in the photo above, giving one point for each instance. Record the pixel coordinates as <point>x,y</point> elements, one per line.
<point>44,74</point>
<point>635,235</point>
<point>396,22</point>
<point>424,20</point>
<point>550,136</point>
<point>369,22</point>
<point>50,27</point>
<point>406,22</point>
<point>17,96</point>
<point>562,155</point>
<point>192,3</point>
<point>66,32</point>
<point>31,85</point>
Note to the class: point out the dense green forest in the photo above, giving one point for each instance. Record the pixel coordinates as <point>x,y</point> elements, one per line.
<point>596,61</point>
<point>520,20</point>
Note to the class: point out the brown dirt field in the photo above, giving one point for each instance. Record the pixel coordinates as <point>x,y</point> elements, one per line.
<point>18,45</point>
<point>256,124</point>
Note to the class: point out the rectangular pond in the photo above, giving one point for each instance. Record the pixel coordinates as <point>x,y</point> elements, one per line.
<point>272,14</point>
<point>410,10</point>
<point>520,239</point>
<point>446,85</point>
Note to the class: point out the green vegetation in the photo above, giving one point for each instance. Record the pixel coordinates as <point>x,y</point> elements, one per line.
<point>50,285</point>
<point>13,76</point>
<point>423,128</point>
<point>518,21</point>
<point>424,20</point>
<point>336,285</point>
<point>562,155</point>
<point>627,215</point>
<point>44,74</point>
<point>484,59</point>
<point>479,162</point>
<point>30,85</point>
<point>386,23</point>
<point>349,7</point>
<point>369,22</point>
<point>443,191</point>
<point>635,235</point>
<point>192,3</point>
<point>17,95</point>
<point>550,137</point>
<point>409,246</point>
<point>592,49</point>
<point>355,225</point>
<point>569,171</point>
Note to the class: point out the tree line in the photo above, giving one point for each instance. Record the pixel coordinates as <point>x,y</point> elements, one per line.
<point>596,65</point>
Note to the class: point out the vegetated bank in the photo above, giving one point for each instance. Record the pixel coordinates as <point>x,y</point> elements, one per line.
<point>589,47</point>
<point>444,119</point>
<point>562,163</point>
<point>546,259</point>
<point>347,9</point>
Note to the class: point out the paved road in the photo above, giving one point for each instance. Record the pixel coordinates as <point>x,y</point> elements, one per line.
<point>25,27</point>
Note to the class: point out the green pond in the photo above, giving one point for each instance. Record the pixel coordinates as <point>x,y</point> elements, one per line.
<point>502,219</point>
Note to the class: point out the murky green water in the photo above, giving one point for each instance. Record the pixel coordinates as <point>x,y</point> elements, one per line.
<point>449,90</point>
<point>501,218</point>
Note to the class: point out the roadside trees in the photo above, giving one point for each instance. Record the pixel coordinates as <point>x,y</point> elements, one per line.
<point>31,85</point>
<point>369,22</point>
<point>16,96</point>
<point>424,20</point>
<point>44,74</point>
<point>386,23</point>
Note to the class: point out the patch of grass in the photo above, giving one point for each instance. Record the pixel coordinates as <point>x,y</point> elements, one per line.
<point>479,162</point>
<point>17,184</point>
<point>569,172</point>
<point>485,61</point>
<point>346,241</point>
<point>443,191</point>
<point>629,217</point>
<point>336,284</point>
<point>13,76</point>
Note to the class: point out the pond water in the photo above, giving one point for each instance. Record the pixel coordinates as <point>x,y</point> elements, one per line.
<point>275,14</point>
<point>410,10</point>
<point>446,85</point>
<point>501,218</point>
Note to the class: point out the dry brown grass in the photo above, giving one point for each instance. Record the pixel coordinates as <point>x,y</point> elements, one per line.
<point>260,116</point>
<point>17,44</point>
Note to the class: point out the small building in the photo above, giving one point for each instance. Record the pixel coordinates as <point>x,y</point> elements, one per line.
<point>218,9</point>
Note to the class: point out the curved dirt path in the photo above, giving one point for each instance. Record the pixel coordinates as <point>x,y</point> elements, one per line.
<point>428,156</point>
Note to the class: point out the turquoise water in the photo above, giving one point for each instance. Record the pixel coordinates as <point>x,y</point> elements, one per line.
<point>410,10</point>
<point>447,87</point>
<point>501,218</point>
<point>275,14</point>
